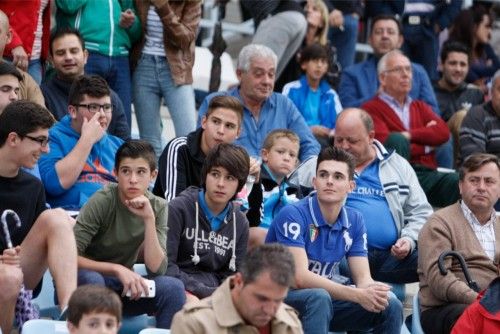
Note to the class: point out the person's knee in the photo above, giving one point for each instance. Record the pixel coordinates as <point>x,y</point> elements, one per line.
<point>319,300</point>
<point>90,277</point>
<point>171,287</point>
<point>56,220</point>
<point>395,307</point>
<point>11,278</point>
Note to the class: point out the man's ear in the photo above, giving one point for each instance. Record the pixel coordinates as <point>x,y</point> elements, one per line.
<point>72,111</point>
<point>154,173</point>
<point>265,155</point>
<point>12,139</point>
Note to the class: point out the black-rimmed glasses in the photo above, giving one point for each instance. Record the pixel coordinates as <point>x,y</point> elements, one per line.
<point>43,141</point>
<point>96,107</point>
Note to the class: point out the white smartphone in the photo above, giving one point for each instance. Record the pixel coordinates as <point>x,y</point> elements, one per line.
<point>151,290</point>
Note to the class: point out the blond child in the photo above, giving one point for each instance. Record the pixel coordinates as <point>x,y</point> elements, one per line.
<point>279,153</point>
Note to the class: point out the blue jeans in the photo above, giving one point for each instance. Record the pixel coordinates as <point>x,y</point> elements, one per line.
<point>116,71</point>
<point>319,313</point>
<point>345,41</point>
<point>421,46</point>
<point>152,80</point>
<point>386,268</point>
<point>169,297</point>
<point>35,69</point>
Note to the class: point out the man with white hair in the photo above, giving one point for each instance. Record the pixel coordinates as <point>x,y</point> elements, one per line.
<point>411,128</point>
<point>264,110</point>
<point>481,125</point>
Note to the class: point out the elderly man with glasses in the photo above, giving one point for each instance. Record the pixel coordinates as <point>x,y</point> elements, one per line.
<point>82,153</point>
<point>411,128</point>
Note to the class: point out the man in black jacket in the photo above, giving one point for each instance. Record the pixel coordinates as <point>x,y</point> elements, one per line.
<point>181,160</point>
<point>69,56</point>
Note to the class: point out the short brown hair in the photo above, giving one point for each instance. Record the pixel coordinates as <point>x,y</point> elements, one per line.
<point>228,102</point>
<point>233,158</point>
<point>337,154</point>
<point>476,161</point>
<point>93,299</point>
<point>277,134</point>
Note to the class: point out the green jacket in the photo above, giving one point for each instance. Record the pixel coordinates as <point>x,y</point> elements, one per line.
<point>100,30</point>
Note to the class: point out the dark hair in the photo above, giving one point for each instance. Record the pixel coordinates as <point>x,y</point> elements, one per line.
<point>337,154</point>
<point>23,117</point>
<point>453,46</point>
<point>93,299</point>
<point>313,52</point>
<point>231,157</point>
<point>475,161</point>
<point>464,27</point>
<point>135,149</point>
<point>91,85</point>
<point>228,102</point>
<point>273,258</point>
<point>9,69</point>
<point>383,17</point>
<point>61,32</point>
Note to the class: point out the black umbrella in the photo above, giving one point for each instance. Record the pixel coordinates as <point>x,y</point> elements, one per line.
<point>217,48</point>
<point>472,284</point>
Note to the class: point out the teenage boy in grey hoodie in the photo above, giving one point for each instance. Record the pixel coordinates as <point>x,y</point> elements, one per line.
<point>207,234</point>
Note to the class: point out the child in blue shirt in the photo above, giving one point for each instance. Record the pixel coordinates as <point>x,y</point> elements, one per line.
<point>318,103</point>
<point>279,156</point>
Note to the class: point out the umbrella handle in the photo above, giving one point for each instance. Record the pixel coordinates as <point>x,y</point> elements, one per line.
<point>5,226</point>
<point>443,270</point>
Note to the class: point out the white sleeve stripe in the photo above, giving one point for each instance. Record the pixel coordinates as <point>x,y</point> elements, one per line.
<point>171,166</point>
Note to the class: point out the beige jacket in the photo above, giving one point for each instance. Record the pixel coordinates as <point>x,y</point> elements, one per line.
<point>447,229</point>
<point>29,90</point>
<point>217,314</point>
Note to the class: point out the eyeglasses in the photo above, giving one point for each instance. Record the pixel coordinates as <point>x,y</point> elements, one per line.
<point>43,141</point>
<point>95,107</point>
<point>400,69</point>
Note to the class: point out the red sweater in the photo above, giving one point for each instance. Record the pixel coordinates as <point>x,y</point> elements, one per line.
<point>387,121</point>
<point>23,17</point>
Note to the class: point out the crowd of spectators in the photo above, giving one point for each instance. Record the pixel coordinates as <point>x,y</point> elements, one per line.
<point>352,161</point>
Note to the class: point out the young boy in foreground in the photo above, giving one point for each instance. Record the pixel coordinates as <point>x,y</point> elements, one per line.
<point>94,309</point>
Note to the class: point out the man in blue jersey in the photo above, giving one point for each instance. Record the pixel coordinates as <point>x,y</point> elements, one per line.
<point>319,231</point>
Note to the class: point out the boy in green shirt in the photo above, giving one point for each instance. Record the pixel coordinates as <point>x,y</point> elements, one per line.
<point>117,223</point>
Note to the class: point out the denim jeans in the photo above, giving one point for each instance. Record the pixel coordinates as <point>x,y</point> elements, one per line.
<point>116,71</point>
<point>35,69</point>
<point>152,80</point>
<point>345,40</point>
<point>386,268</point>
<point>319,313</point>
<point>169,297</point>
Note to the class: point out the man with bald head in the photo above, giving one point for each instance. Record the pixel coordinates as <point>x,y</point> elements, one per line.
<point>411,128</point>
<point>28,88</point>
<point>386,188</point>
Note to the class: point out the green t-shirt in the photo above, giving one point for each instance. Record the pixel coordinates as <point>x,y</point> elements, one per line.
<point>107,231</point>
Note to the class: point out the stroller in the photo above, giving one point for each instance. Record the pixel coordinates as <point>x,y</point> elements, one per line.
<point>483,316</point>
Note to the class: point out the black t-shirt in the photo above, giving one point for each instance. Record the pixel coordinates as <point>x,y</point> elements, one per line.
<point>26,196</point>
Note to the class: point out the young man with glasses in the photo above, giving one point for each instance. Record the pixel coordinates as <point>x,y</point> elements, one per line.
<point>411,128</point>
<point>45,237</point>
<point>82,153</point>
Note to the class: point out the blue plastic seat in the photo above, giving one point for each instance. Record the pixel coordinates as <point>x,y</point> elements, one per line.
<point>155,331</point>
<point>45,326</point>
<point>416,327</point>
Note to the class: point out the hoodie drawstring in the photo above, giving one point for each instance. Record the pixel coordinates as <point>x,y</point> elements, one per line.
<point>232,262</point>
<point>196,258</point>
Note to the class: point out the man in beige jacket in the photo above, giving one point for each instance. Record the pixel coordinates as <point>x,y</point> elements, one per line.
<point>250,301</point>
<point>469,227</point>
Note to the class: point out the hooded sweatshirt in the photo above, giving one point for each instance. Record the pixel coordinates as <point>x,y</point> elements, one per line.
<point>96,173</point>
<point>199,257</point>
